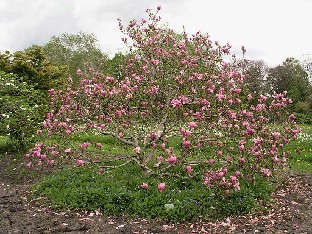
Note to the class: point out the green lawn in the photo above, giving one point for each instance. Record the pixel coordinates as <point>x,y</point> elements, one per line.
<point>301,160</point>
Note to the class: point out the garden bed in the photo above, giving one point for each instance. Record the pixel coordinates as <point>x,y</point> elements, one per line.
<point>288,212</point>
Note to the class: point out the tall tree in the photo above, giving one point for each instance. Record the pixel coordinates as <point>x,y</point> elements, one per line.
<point>291,77</point>
<point>257,72</point>
<point>77,51</point>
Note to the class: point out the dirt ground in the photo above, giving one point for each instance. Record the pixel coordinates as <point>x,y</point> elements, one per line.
<point>289,212</point>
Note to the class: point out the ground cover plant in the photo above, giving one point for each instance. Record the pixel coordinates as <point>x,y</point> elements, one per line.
<point>199,141</point>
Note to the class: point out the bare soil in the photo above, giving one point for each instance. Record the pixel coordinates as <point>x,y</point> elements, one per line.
<point>289,212</point>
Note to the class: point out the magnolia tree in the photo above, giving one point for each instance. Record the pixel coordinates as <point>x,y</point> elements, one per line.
<point>176,89</point>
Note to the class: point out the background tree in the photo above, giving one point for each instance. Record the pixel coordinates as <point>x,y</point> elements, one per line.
<point>33,66</point>
<point>77,51</point>
<point>25,78</point>
<point>292,77</point>
<point>115,66</point>
<point>306,63</point>
<point>257,72</point>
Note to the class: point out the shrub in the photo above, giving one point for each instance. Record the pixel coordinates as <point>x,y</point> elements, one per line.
<point>21,109</point>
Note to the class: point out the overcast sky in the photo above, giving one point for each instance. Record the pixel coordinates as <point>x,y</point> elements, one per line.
<point>271,30</point>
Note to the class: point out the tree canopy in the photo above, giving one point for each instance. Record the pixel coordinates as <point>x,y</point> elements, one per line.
<point>77,51</point>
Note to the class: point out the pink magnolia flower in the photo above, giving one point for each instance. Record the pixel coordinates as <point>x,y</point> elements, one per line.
<point>36,153</point>
<point>242,160</point>
<point>172,159</point>
<point>192,125</point>
<point>80,162</point>
<point>189,169</point>
<point>225,171</point>
<point>205,102</point>
<point>187,133</point>
<point>200,76</point>
<point>39,132</point>
<point>29,165</point>
<point>207,180</point>
<point>144,185</point>
<point>84,145</point>
<point>233,179</point>
<point>229,158</point>
<point>161,187</point>
<point>220,174</point>
<point>176,103</point>
<point>186,144</point>
<point>98,145</point>
<point>220,96</point>
<point>160,158</point>
<point>68,151</point>
<point>50,162</point>
<point>137,149</point>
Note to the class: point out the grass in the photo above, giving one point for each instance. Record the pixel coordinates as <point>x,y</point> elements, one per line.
<point>7,145</point>
<point>111,146</point>
<point>119,192</point>
<point>301,149</point>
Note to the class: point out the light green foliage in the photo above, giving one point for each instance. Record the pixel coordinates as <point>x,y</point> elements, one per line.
<point>35,68</point>
<point>77,51</point>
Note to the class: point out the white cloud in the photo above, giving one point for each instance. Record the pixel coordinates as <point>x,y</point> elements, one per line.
<point>271,30</point>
